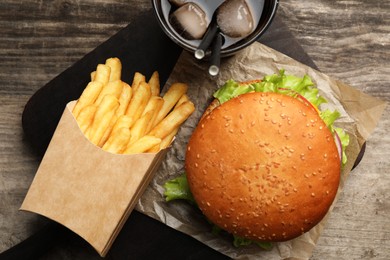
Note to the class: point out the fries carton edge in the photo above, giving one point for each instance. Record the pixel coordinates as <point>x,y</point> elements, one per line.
<point>88,190</point>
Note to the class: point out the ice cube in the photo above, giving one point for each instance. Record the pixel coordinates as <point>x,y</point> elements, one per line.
<point>234,18</point>
<point>189,21</point>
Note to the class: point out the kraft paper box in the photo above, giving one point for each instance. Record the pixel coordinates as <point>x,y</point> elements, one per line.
<point>88,190</point>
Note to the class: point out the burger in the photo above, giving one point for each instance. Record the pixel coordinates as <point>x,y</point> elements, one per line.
<point>263,163</point>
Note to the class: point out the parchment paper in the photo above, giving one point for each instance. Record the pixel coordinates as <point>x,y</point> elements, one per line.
<point>360,114</point>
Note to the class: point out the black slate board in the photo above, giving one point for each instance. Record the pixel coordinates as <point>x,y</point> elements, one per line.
<point>141,236</point>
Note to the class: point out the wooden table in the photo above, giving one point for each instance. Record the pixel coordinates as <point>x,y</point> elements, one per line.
<point>348,40</point>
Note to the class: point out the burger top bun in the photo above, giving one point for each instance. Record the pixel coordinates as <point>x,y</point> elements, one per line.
<point>263,166</point>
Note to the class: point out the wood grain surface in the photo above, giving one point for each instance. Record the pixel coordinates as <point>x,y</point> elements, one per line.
<point>348,40</point>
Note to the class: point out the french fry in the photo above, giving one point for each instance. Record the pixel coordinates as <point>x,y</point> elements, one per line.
<point>102,73</point>
<point>183,99</point>
<point>154,83</point>
<point>102,119</point>
<point>93,74</point>
<point>173,120</point>
<point>123,121</point>
<point>165,142</point>
<point>143,144</point>
<point>139,128</point>
<point>124,99</point>
<point>137,79</point>
<point>123,118</point>
<point>85,117</point>
<point>168,139</point>
<point>116,68</point>
<point>108,131</point>
<point>118,141</point>
<point>111,88</point>
<point>138,101</point>
<point>88,97</point>
<point>171,97</point>
<point>155,103</point>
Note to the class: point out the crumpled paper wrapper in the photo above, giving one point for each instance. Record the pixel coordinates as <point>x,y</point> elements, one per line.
<point>88,190</point>
<point>360,114</point>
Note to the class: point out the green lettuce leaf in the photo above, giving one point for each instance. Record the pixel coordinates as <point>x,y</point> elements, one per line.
<point>329,117</point>
<point>232,89</point>
<point>178,188</point>
<point>278,83</point>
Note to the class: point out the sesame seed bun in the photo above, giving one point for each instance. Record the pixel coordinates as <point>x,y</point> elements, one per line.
<point>263,166</point>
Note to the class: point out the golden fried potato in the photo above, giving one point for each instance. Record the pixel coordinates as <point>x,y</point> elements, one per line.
<point>124,99</point>
<point>118,141</point>
<point>123,118</point>
<point>108,131</point>
<point>154,83</point>
<point>155,104</point>
<point>183,99</point>
<point>85,117</point>
<point>173,120</point>
<point>88,97</point>
<point>138,101</point>
<point>139,128</point>
<point>143,144</point>
<point>102,74</point>
<point>111,88</point>
<point>123,121</point>
<point>105,111</point>
<point>116,68</point>
<point>173,94</point>
<point>137,79</point>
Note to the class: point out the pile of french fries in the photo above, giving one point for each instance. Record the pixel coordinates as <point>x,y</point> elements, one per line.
<point>126,119</point>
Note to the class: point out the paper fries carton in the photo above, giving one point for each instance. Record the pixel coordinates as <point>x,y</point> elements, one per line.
<point>86,189</point>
